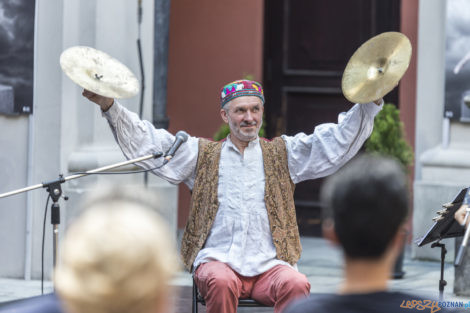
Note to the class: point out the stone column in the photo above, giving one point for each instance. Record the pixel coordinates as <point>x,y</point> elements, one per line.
<point>70,134</point>
<point>432,185</point>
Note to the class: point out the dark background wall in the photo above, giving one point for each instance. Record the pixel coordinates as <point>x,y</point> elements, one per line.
<point>211,43</point>
<point>16,51</point>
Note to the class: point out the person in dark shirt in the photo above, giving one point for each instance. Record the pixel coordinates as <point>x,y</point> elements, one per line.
<point>365,206</point>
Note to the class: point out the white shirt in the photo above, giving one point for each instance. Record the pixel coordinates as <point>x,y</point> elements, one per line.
<point>240,235</point>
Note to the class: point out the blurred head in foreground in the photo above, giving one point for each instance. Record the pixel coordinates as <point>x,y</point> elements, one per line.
<point>118,256</point>
<point>365,204</point>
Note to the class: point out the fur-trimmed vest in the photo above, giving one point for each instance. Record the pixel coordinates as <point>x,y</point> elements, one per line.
<point>279,199</point>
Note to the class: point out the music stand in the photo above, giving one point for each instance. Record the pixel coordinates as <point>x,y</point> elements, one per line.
<point>445,226</point>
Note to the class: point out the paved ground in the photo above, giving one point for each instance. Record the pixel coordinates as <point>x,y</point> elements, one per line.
<point>320,262</point>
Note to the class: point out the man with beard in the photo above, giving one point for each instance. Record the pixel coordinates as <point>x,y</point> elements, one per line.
<point>242,238</point>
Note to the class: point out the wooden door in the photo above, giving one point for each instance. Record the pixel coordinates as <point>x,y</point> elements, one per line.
<point>307,46</point>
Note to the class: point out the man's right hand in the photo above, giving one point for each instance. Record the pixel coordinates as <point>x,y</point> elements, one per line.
<point>104,102</point>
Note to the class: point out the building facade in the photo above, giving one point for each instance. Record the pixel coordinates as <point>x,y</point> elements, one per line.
<point>212,43</point>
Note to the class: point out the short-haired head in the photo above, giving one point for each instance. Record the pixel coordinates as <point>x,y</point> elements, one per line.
<point>367,200</point>
<point>118,256</point>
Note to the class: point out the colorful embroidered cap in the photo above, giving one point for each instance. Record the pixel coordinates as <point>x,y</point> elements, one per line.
<point>241,88</point>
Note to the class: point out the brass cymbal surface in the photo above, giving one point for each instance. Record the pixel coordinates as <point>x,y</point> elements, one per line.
<point>98,72</point>
<point>376,67</point>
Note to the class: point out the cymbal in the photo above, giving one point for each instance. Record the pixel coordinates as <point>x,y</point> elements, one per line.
<point>98,72</point>
<point>376,67</point>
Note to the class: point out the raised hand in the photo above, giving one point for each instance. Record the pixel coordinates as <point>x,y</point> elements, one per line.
<point>104,102</point>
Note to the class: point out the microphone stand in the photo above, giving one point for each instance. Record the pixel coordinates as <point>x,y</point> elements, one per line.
<point>54,188</point>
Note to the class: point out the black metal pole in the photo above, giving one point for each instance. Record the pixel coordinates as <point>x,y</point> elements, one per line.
<point>442,282</point>
<point>160,67</point>
<point>55,192</point>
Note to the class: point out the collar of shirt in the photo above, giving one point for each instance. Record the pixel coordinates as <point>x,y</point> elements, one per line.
<point>231,145</point>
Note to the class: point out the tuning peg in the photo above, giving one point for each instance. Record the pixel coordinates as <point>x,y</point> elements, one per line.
<point>447,205</point>
<point>443,212</point>
<point>437,218</point>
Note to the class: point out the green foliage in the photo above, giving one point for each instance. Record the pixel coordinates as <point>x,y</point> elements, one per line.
<point>387,136</point>
<point>224,130</point>
<point>248,76</point>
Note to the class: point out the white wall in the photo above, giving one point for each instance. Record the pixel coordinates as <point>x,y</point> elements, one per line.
<point>68,132</point>
<point>13,164</point>
<point>430,76</point>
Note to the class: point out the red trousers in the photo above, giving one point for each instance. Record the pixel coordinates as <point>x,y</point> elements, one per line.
<point>221,287</point>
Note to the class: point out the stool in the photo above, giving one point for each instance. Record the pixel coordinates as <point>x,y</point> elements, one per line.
<point>197,298</point>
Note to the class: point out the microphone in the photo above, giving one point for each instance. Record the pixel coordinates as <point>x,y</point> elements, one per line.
<point>463,246</point>
<point>181,137</point>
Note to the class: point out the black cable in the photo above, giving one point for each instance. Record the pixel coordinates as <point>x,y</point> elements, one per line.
<point>142,82</point>
<point>141,63</point>
<point>42,250</point>
<point>142,72</point>
<point>142,79</point>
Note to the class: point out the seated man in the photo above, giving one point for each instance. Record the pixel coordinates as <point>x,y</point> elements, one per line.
<point>365,207</point>
<point>241,239</point>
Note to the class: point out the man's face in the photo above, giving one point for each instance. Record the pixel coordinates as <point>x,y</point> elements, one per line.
<point>244,116</point>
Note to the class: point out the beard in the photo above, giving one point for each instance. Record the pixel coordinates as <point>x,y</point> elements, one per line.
<point>243,134</point>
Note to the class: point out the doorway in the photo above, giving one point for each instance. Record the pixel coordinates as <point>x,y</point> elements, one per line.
<point>307,46</point>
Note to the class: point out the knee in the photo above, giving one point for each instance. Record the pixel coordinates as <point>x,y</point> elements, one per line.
<point>221,283</point>
<point>216,277</point>
<point>297,285</point>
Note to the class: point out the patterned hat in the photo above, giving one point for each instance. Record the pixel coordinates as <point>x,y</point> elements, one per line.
<point>241,88</point>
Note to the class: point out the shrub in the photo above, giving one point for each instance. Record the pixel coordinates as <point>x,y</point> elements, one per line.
<point>387,138</point>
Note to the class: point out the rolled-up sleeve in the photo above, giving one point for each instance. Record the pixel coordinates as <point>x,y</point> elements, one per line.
<point>331,145</point>
<point>138,138</point>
